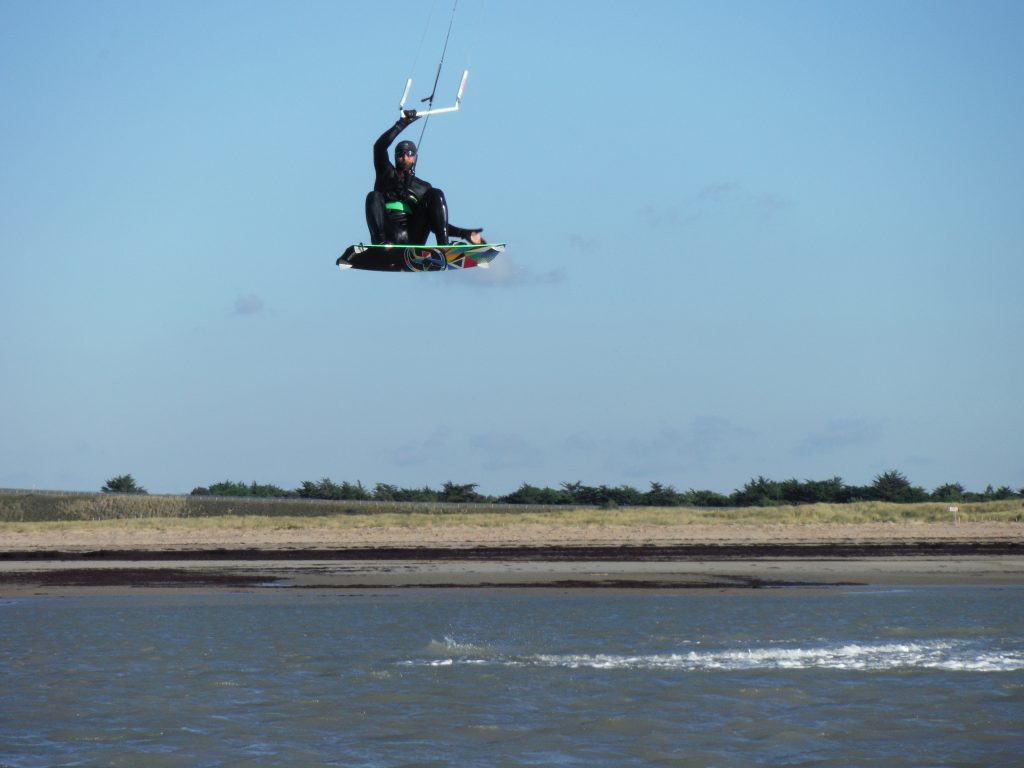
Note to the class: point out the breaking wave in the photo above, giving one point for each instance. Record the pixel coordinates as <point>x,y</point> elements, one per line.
<point>936,655</point>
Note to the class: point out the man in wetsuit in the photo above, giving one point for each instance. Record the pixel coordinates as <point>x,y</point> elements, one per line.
<point>403,208</point>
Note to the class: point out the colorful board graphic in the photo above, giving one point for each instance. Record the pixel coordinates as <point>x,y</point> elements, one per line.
<point>419,258</point>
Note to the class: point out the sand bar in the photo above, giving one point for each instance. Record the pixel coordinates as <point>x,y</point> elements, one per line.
<point>72,559</point>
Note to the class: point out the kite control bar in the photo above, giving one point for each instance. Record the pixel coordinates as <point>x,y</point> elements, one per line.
<point>458,99</point>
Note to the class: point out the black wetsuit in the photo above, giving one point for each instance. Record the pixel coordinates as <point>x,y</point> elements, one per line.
<point>403,208</point>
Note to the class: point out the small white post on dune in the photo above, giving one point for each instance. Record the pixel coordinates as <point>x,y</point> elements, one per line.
<point>954,510</point>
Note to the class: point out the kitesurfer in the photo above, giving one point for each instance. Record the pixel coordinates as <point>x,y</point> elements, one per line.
<point>403,208</point>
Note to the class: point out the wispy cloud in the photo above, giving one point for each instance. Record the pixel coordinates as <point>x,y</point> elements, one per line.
<point>838,434</point>
<point>511,272</point>
<point>768,205</point>
<point>490,450</point>
<point>424,451</point>
<point>504,450</point>
<point>250,304</point>
<point>657,217</point>
<point>720,196</point>
<point>716,193</point>
<point>696,442</point>
<point>669,451</point>
<point>585,243</point>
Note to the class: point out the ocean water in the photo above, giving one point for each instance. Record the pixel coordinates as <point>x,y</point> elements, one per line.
<point>908,677</point>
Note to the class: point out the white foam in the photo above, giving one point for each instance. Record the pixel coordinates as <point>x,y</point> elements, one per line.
<point>452,647</point>
<point>939,655</point>
<point>882,656</point>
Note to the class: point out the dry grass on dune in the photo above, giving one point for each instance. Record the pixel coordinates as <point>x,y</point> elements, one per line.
<point>142,513</point>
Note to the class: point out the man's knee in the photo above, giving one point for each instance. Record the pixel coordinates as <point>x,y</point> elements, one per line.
<point>433,197</point>
<point>376,220</point>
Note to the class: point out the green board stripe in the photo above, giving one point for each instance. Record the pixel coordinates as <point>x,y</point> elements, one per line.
<point>433,246</point>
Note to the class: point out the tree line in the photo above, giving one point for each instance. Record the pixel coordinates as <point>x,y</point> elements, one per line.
<point>891,486</point>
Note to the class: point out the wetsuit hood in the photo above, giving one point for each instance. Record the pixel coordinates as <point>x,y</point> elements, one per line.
<point>402,147</point>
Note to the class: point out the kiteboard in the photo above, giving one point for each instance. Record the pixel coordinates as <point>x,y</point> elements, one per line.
<point>419,258</point>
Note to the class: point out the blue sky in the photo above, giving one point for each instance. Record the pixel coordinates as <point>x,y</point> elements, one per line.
<point>745,238</point>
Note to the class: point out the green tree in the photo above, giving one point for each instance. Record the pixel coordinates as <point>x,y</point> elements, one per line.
<point>385,492</point>
<point>267,490</point>
<point>459,494</point>
<point>894,486</point>
<point>325,489</point>
<point>607,497</point>
<point>760,492</point>
<point>661,496</point>
<point>626,496</point>
<point>1001,493</point>
<point>949,492</point>
<point>832,491</point>
<point>123,484</point>
<point>695,498</point>
<point>254,489</point>
<point>794,491</point>
<point>229,488</point>
<point>574,491</point>
<point>424,494</point>
<point>588,494</point>
<point>529,494</point>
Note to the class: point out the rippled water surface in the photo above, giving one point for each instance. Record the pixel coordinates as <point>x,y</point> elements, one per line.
<point>918,677</point>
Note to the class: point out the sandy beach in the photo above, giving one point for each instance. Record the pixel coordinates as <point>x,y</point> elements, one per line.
<point>164,535</point>
<point>88,558</point>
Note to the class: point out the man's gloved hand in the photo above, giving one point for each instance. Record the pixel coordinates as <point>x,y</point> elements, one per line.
<point>408,116</point>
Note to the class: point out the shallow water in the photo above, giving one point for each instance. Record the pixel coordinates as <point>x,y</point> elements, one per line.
<point>911,677</point>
